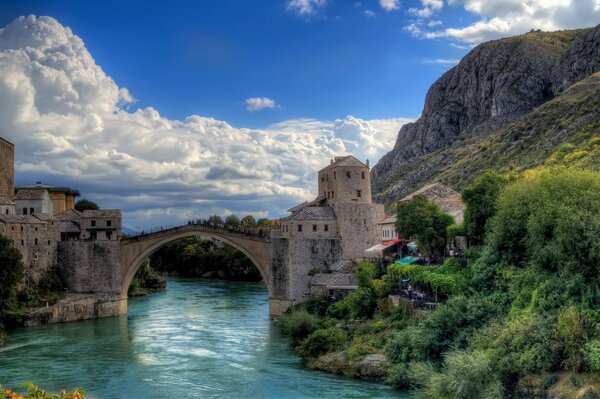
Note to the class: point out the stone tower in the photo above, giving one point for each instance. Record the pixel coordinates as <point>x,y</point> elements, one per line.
<point>7,169</point>
<point>345,180</point>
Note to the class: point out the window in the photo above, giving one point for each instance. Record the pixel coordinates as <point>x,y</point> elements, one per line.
<point>49,242</point>
<point>332,195</point>
<point>7,211</point>
<point>35,257</point>
<point>326,227</point>
<point>108,223</point>
<point>93,235</point>
<point>299,228</point>
<point>36,241</point>
<point>314,227</point>
<point>334,176</point>
<point>36,229</point>
<point>22,242</point>
<point>363,175</point>
<point>109,235</point>
<point>358,193</point>
<point>24,211</point>
<point>93,223</point>
<point>347,175</point>
<point>31,211</point>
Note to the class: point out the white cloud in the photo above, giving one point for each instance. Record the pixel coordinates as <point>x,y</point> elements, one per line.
<point>501,18</point>
<point>305,8</point>
<point>389,5</point>
<point>443,61</point>
<point>434,23</point>
<point>429,8</point>
<point>369,13</point>
<point>65,116</point>
<point>259,103</point>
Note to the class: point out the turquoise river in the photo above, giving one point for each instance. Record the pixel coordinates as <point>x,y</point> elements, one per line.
<point>197,339</point>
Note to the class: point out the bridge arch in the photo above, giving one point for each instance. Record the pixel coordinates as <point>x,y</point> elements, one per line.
<point>135,250</point>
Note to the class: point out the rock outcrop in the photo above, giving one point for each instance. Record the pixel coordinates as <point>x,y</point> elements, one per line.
<point>495,84</point>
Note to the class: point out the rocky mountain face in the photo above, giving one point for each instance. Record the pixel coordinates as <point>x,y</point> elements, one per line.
<point>496,84</point>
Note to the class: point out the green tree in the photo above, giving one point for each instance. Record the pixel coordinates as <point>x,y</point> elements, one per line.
<point>480,198</point>
<point>216,219</point>
<point>11,272</point>
<point>86,205</point>
<point>425,222</point>
<point>232,221</point>
<point>248,221</point>
<point>264,222</point>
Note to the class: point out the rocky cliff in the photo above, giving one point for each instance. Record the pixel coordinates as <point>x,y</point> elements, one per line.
<point>493,87</point>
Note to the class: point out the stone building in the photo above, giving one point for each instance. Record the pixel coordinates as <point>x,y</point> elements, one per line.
<point>7,169</point>
<point>29,202</point>
<point>443,196</point>
<point>338,225</point>
<point>41,223</point>
<point>63,198</point>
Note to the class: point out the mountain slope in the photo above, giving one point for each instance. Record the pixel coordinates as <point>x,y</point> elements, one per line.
<point>484,99</point>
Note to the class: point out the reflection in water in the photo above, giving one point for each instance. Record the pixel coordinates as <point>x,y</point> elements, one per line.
<point>198,339</point>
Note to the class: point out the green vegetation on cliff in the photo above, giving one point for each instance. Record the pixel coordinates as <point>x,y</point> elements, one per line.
<point>521,317</point>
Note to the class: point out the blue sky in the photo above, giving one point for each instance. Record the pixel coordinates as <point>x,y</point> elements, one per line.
<point>208,57</point>
<point>178,110</point>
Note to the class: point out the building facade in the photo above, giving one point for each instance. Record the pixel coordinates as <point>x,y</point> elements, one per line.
<point>7,169</point>
<point>63,198</point>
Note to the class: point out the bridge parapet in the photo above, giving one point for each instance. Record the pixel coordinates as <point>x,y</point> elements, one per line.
<point>258,234</point>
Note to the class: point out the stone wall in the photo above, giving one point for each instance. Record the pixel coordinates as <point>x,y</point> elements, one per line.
<point>7,169</point>
<point>77,307</point>
<point>292,260</point>
<point>37,242</point>
<point>345,188</point>
<point>90,266</point>
<point>358,227</point>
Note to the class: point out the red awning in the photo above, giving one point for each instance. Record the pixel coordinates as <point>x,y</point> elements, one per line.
<point>392,242</point>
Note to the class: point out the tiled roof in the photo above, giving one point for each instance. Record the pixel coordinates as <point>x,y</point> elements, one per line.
<point>69,214</point>
<point>6,201</point>
<point>313,213</point>
<point>306,203</point>
<point>334,279</point>
<point>348,160</point>
<point>111,213</point>
<point>69,227</point>
<point>389,220</point>
<point>20,219</point>
<point>30,195</point>
<point>50,188</point>
<point>342,266</point>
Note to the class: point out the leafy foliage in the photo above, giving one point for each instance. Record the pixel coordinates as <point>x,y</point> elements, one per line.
<point>34,392</point>
<point>86,205</point>
<point>11,272</point>
<point>426,222</point>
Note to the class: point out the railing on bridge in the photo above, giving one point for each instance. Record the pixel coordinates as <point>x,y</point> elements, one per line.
<point>258,233</point>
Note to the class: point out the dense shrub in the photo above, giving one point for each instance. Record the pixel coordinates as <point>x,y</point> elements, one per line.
<point>466,374</point>
<point>323,341</point>
<point>34,392</point>
<point>592,355</point>
<point>298,324</point>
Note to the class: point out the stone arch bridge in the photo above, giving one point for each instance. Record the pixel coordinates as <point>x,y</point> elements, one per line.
<point>257,247</point>
<point>101,271</point>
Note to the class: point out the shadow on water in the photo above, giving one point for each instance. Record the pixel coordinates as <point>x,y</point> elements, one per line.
<point>199,338</point>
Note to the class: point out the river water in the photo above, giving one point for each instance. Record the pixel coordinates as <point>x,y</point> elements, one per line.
<point>197,339</point>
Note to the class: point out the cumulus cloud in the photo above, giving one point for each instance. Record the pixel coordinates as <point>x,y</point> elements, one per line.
<point>389,5</point>
<point>70,126</point>
<point>500,18</point>
<point>305,8</point>
<point>259,103</point>
<point>429,8</point>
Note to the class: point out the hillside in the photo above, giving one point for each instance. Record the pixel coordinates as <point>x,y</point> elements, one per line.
<point>510,104</point>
